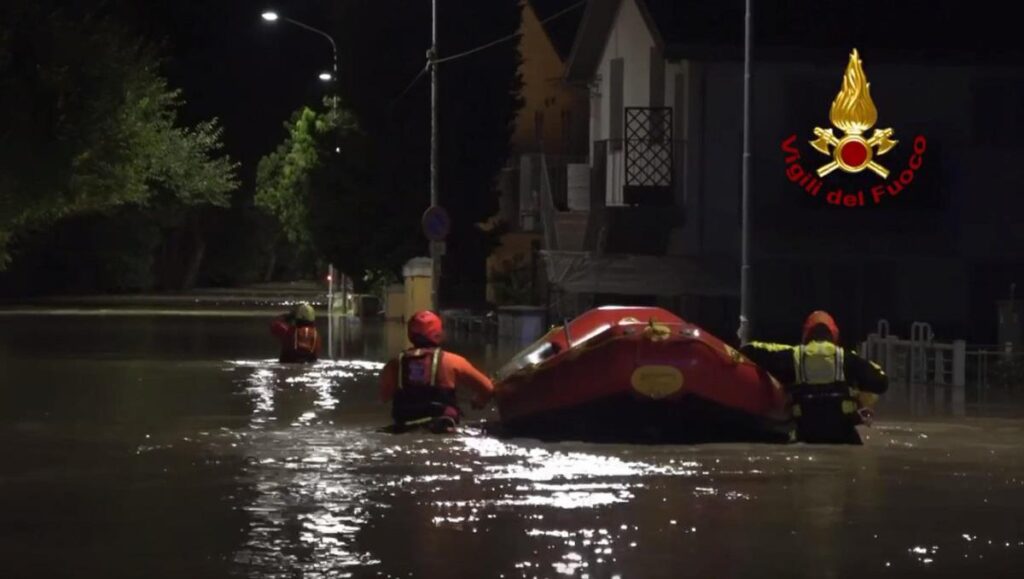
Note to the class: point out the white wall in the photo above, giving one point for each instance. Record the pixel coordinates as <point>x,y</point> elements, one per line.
<point>630,40</point>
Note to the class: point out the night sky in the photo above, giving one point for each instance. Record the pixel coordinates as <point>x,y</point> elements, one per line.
<point>233,65</point>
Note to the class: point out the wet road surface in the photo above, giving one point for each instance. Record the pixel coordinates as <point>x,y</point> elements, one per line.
<point>174,446</point>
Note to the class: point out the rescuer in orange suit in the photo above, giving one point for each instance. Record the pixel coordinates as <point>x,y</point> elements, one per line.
<point>296,330</point>
<point>833,389</point>
<point>421,381</point>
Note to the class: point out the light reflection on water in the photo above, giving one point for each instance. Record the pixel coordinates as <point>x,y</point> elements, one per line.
<point>325,496</point>
<point>310,501</point>
<point>279,471</point>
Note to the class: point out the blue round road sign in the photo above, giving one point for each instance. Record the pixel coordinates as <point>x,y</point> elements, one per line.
<point>436,223</point>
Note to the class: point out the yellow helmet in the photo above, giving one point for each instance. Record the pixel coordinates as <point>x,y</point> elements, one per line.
<point>304,312</point>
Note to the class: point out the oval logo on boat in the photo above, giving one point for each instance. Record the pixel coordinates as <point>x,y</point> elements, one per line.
<point>657,381</point>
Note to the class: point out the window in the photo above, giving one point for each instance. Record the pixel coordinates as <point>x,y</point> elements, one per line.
<point>615,105</point>
<point>567,144</point>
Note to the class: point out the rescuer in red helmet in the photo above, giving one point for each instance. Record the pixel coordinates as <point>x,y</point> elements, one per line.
<point>832,388</point>
<point>421,381</point>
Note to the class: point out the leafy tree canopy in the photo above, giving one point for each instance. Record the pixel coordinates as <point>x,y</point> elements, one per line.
<point>283,177</point>
<point>321,185</point>
<point>91,124</point>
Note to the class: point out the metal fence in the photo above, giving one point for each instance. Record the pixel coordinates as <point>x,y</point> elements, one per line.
<point>928,377</point>
<point>995,375</point>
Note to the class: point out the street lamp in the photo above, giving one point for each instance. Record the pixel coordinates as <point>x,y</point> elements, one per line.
<point>271,16</point>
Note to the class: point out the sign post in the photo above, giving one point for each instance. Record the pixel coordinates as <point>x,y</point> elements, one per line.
<point>436,225</point>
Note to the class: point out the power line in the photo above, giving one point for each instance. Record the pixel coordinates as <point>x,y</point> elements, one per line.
<point>483,47</point>
<point>411,83</point>
<point>510,36</point>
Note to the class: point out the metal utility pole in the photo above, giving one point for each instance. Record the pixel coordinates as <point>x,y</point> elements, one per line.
<point>744,331</point>
<point>435,246</point>
<point>330,311</point>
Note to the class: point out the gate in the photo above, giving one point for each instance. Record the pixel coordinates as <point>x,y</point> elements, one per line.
<point>650,174</point>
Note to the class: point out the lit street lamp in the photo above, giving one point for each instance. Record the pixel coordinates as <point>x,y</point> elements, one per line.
<point>271,16</point>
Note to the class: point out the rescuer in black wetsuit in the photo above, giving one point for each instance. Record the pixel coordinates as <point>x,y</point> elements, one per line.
<point>832,388</point>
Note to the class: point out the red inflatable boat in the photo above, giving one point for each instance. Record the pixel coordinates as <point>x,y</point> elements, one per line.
<point>638,373</point>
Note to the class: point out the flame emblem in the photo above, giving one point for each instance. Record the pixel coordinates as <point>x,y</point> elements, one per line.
<point>854,113</point>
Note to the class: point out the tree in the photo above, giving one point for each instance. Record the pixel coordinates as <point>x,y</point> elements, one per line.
<point>322,185</point>
<point>283,177</point>
<point>96,125</point>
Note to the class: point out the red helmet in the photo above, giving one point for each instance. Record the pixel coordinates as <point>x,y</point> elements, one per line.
<point>425,326</point>
<point>820,318</point>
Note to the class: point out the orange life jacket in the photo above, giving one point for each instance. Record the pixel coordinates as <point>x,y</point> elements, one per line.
<point>304,340</point>
<point>419,393</point>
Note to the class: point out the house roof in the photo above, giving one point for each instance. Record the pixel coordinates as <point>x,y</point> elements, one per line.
<point>561,30</point>
<point>947,31</point>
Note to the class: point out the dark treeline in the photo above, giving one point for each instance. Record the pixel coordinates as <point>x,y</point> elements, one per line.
<point>252,77</point>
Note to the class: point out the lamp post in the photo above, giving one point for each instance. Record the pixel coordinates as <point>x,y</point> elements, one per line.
<point>744,331</point>
<point>272,16</point>
<point>435,246</point>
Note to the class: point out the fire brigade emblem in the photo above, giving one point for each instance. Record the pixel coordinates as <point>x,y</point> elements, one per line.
<point>854,114</point>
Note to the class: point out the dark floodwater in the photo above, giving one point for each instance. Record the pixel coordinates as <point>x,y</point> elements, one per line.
<point>173,446</point>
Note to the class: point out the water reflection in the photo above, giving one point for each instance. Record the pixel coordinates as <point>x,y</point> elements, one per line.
<point>259,469</point>
<point>309,498</point>
<point>331,496</point>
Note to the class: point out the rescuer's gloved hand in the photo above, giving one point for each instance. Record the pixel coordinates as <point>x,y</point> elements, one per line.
<point>866,416</point>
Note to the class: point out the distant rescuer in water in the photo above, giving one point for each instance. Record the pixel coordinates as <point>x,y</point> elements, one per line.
<point>421,381</point>
<point>833,389</point>
<point>300,340</point>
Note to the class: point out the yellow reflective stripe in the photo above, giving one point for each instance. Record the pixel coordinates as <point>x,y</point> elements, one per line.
<point>840,373</point>
<point>771,347</point>
<point>433,367</point>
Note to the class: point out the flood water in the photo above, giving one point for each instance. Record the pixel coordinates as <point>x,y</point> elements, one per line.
<point>173,445</point>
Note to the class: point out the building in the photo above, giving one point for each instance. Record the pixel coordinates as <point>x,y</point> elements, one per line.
<point>666,87</point>
<point>552,123</point>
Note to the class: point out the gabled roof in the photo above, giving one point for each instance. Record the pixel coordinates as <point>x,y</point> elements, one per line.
<point>932,31</point>
<point>598,18</point>
<point>562,30</point>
